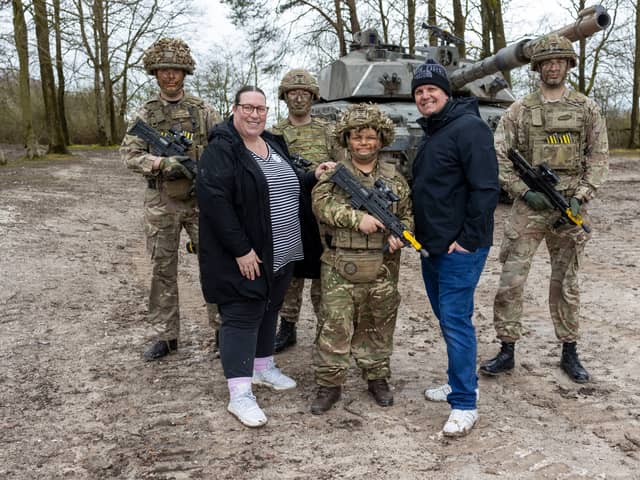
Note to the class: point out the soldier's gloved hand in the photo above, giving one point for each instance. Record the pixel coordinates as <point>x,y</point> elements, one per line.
<point>172,169</point>
<point>575,205</point>
<point>537,201</point>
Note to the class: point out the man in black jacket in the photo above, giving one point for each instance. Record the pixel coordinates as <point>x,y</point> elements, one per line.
<point>455,192</point>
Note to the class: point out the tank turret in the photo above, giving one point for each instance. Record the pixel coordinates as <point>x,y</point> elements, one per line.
<point>381,73</point>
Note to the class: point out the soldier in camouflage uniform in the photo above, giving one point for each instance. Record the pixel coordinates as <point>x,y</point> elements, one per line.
<point>169,204</point>
<point>359,280</point>
<point>564,129</point>
<point>309,137</point>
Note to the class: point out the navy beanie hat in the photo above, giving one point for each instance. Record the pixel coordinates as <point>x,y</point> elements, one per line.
<point>430,73</point>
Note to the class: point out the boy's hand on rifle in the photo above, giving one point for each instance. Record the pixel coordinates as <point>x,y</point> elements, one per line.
<point>537,201</point>
<point>172,169</point>
<point>370,224</point>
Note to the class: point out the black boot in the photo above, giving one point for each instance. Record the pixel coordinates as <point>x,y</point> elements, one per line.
<point>161,349</point>
<point>570,363</point>
<point>286,336</point>
<point>502,362</point>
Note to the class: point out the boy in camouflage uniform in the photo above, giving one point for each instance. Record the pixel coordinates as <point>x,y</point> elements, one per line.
<point>564,129</point>
<point>169,204</point>
<point>359,280</point>
<point>309,137</point>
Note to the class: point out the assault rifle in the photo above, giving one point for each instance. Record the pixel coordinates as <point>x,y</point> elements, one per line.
<point>376,201</point>
<point>543,180</point>
<point>169,145</point>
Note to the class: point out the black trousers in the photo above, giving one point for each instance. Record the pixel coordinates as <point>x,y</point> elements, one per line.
<point>249,327</point>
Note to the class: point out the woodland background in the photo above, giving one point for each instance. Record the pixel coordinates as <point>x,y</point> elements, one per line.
<point>71,70</point>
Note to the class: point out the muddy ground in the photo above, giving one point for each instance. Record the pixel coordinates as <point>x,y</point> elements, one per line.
<point>78,402</point>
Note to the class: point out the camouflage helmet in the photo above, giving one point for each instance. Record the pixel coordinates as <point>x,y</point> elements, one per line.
<point>168,53</point>
<point>364,115</point>
<point>298,79</point>
<point>553,46</point>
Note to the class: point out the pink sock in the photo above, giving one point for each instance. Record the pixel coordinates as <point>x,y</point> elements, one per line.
<point>260,364</point>
<point>238,385</point>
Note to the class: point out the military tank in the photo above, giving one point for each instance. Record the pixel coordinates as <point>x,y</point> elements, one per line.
<point>382,73</point>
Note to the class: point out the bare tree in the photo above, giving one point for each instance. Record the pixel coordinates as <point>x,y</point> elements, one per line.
<point>22,47</point>
<point>634,142</point>
<point>56,138</point>
<point>60,93</point>
<point>459,26</point>
<point>432,20</point>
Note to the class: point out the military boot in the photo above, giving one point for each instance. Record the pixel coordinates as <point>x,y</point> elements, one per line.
<point>325,399</point>
<point>286,336</point>
<point>570,363</point>
<point>502,362</point>
<point>379,388</point>
<point>161,349</point>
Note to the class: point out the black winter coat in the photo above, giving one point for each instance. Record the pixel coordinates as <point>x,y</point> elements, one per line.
<point>233,197</point>
<point>455,185</point>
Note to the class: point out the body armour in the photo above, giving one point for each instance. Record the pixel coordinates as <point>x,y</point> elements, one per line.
<point>556,135</point>
<point>185,116</point>
<point>312,141</point>
<point>353,238</point>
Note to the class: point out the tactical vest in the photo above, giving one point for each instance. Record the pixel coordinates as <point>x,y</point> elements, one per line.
<point>310,141</point>
<point>556,135</point>
<point>186,116</point>
<point>355,239</point>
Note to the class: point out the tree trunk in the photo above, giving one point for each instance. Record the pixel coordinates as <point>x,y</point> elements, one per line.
<point>459,26</point>
<point>634,141</point>
<point>340,28</point>
<point>101,18</point>
<point>22,47</point>
<point>94,60</point>
<point>384,21</point>
<point>499,40</point>
<point>353,16</point>
<point>432,20</point>
<point>60,72</point>
<point>56,139</point>
<point>411,25</point>
<point>485,16</point>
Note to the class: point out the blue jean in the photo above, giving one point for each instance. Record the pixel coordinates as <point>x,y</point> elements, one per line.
<point>451,281</point>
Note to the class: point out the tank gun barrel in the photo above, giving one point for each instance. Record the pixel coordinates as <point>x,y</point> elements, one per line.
<point>590,20</point>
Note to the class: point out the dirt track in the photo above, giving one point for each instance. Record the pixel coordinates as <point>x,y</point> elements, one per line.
<point>78,402</point>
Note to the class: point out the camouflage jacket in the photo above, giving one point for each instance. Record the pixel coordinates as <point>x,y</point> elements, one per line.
<point>570,135</point>
<point>190,115</point>
<point>339,220</point>
<point>313,141</point>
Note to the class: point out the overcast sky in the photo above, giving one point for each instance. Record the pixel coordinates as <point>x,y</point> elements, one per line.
<point>522,17</point>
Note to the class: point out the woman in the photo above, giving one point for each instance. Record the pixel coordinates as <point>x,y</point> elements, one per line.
<point>250,237</point>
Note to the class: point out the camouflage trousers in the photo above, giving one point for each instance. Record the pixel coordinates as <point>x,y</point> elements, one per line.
<point>163,225</point>
<point>290,310</point>
<point>356,319</point>
<point>524,231</point>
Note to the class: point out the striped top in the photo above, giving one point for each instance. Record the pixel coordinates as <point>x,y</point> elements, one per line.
<point>284,200</point>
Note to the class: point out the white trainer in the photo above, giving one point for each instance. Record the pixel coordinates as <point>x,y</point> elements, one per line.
<point>246,409</point>
<point>273,377</point>
<point>460,422</point>
<point>439,394</point>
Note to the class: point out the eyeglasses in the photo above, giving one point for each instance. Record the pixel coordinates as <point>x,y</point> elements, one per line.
<point>248,109</point>
<point>303,94</point>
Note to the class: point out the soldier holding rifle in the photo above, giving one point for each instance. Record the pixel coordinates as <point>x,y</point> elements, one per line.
<point>564,130</point>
